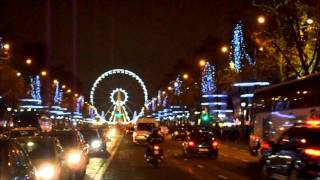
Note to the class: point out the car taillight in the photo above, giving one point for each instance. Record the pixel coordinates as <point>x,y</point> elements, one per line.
<point>215,144</point>
<point>313,122</point>
<point>191,143</point>
<point>312,152</point>
<point>156,147</point>
<point>265,145</point>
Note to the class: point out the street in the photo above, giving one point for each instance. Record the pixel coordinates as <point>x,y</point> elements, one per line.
<point>127,162</point>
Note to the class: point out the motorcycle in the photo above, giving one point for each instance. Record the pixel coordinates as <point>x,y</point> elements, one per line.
<point>154,155</point>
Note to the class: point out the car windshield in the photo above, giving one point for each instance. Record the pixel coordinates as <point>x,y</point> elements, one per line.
<point>22,133</point>
<point>145,126</point>
<point>39,149</point>
<point>90,134</point>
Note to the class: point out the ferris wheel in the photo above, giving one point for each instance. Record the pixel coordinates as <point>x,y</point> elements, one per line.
<point>118,97</point>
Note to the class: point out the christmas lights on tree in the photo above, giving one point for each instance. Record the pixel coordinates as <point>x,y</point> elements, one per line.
<point>35,87</point>
<point>238,48</point>
<point>164,101</point>
<point>57,95</point>
<point>208,86</point>
<point>153,104</point>
<point>177,86</point>
<point>159,97</point>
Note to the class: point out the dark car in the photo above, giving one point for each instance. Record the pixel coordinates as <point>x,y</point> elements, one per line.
<point>75,150</point>
<point>46,155</point>
<point>201,143</point>
<point>14,161</point>
<point>22,132</point>
<point>96,141</point>
<point>296,154</point>
<point>180,134</point>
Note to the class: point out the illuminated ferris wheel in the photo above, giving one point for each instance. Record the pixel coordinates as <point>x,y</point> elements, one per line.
<point>118,97</point>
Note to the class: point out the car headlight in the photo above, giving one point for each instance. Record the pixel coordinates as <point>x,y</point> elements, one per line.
<point>176,133</point>
<point>74,158</point>
<point>45,171</point>
<point>96,144</point>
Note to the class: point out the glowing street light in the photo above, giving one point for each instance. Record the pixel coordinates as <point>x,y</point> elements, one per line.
<point>185,76</point>
<point>261,19</point>
<point>6,46</point>
<point>43,73</point>
<point>76,95</point>
<point>18,74</point>
<point>169,88</point>
<point>69,91</point>
<point>55,81</point>
<point>63,86</point>
<point>28,61</point>
<point>224,49</point>
<point>309,21</point>
<point>232,65</point>
<point>164,92</point>
<point>202,62</point>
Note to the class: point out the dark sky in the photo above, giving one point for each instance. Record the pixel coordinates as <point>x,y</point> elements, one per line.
<point>145,36</point>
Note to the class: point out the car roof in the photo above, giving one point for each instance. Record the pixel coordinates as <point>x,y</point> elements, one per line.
<point>36,138</point>
<point>23,129</point>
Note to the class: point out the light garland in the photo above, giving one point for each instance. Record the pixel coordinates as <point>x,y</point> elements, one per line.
<point>208,86</point>
<point>238,48</point>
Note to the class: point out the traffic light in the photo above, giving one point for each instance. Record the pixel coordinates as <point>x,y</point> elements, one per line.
<point>205,117</point>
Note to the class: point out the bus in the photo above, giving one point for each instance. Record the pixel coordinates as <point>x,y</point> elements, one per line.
<point>281,106</point>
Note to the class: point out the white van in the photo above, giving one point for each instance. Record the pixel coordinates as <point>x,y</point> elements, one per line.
<point>143,128</point>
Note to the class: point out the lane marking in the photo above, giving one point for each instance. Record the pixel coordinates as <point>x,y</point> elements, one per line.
<point>105,166</point>
<point>200,166</point>
<point>222,176</point>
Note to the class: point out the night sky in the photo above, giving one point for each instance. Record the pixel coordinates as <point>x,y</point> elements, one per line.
<point>145,36</point>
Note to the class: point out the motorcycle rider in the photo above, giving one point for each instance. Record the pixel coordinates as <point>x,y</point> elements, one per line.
<point>154,139</point>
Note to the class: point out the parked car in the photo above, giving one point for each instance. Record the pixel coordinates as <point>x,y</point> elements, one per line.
<point>14,161</point>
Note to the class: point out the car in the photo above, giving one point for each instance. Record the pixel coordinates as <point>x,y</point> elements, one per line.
<point>75,148</point>
<point>295,154</point>
<point>201,143</point>
<point>96,141</point>
<point>22,132</point>
<point>14,161</point>
<point>143,128</point>
<point>164,130</point>
<point>46,155</point>
<point>180,133</point>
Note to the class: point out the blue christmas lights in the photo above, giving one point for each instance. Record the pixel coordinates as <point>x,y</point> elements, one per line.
<point>35,87</point>
<point>238,48</point>
<point>208,86</point>
<point>177,86</point>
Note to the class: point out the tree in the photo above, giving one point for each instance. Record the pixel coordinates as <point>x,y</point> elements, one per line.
<point>208,85</point>
<point>12,87</point>
<point>293,37</point>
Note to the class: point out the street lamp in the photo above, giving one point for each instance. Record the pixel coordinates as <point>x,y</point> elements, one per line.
<point>6,46</point>
<point>261,19</point>
<point>63,86</point>
<point>169,88</point>
<point>43,73</point>
<point>309,21</point>
<point>55,81</point>
<point>164,92</point>
<point>224,49</point>
<point>76,95</point>
<point>202,62</point>
<point>185,76</point>
<point>18,74</point>
<point>69,91</point>
<point>28,61</point>
<point>232,65</point>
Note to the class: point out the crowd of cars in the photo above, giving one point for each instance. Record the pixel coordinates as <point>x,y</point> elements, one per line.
<point>27,153</point>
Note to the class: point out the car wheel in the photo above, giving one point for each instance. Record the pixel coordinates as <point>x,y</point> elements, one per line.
<point>214,155</point>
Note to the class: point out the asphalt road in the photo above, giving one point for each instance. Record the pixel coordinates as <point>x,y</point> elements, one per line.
<point>125,161</point>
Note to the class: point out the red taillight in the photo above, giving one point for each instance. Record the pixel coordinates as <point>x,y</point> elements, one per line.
<point>190,143</point>
<point>156,147</point>
<point>312,152</point>
<point>265,145</point>
<point>215,144</point>
<point>313,122</point>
